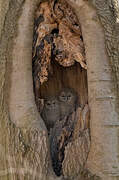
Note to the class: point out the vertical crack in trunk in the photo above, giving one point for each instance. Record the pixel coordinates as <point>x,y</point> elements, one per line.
<point>59,64</point>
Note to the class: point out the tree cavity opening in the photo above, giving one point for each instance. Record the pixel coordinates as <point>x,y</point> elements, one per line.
<point>59,63</point>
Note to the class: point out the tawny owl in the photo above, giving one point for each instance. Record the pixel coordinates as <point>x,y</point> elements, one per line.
<point>68,100</point>
<point>51,111</point>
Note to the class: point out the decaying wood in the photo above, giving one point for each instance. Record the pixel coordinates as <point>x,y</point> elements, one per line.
<point>23,134</point>
<point>70,47</point>
<point>76,152</point>
<point>66,49</point>
<point>29,144</point>
<point>57,37</point>
<point>70,143</point>
<point>82,120</point>
<point>63,12</point>
<point>43,26</point>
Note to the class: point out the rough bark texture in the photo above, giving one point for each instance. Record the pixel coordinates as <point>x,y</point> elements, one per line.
<point>23,136</point>
<point>109,17</point>
<point>57,47</point>
<point>102,97</point>
<point>55,40</point>
<point>24,141</point>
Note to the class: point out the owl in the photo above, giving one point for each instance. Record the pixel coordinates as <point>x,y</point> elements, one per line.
<point>51,111</point>
<point>68,101</point>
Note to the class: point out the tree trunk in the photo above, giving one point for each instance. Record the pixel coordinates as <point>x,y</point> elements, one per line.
<point>24,141</point>
<point>103,96</point>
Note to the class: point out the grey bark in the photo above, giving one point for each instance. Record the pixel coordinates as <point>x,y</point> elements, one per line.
<point>23,137</point>
<point>102,59</point>
<point>24,140</point>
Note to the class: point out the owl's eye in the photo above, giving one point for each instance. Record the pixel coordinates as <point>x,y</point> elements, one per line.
<point>69,95</point>
<point>48,104</point>
<point>63,95</point>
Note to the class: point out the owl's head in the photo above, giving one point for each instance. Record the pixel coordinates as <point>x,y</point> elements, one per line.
<point>67,95</point>
<point>51,103</point>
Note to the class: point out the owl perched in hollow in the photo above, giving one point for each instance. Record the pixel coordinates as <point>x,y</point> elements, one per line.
<point>68,101</point>
<point>51,111</point>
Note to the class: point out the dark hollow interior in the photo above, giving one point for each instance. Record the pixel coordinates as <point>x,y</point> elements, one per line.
<point>59,77</point>
<point>66,77</point>
<point>62,77</point>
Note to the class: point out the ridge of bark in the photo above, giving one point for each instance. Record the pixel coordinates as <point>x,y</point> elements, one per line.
<point>108,13</point>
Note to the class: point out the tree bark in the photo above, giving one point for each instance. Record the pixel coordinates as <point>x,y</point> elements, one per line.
<point>23,136</point>
<point>98,31</point>
<point>24,139</point>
